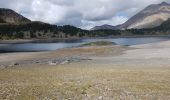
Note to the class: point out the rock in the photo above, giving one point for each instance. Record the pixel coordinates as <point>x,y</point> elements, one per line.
<point>52,63</point>
<point>101,98</point>
<point>14,64</point>
<point>65,62</point>
<point>37,61</point>
<point>85,58</point>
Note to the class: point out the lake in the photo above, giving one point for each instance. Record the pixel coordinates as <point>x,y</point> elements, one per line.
<point>54,45</point>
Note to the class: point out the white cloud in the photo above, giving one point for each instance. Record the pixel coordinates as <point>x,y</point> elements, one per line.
<point>80,13</point>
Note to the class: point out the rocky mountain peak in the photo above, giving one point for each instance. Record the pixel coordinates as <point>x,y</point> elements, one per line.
<point>164,3</point>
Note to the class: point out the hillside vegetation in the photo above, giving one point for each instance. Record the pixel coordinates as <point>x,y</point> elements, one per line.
<point>42,30</point>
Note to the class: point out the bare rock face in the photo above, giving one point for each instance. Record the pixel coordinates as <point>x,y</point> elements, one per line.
<point>152,16</point>
<point>10,16</point>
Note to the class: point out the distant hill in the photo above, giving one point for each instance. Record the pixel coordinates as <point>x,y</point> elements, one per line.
<point>105,27</point>
<point>39,30</point>
<point>10,16</point>
<point>152,16</point>
<point>14,25</point>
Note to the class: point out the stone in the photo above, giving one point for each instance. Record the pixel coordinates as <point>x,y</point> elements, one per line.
<point>101,98</point>
<point>52,63</point>
<point>65,62</point>
<point>13,64</point>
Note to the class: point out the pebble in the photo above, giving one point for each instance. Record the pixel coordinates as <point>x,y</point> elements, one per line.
<point>65,62</point>
<point>52,63</point>
<point>101,98</point>
<point>13,64</point>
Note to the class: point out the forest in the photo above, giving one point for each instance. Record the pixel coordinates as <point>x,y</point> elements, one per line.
<point>41,30</point>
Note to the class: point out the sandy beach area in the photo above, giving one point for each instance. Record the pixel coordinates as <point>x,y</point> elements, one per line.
<point>88,73</point>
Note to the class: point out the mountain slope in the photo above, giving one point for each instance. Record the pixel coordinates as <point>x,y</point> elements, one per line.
<point>165,26</point>
<point>10,16</point>
<point>152,16</point>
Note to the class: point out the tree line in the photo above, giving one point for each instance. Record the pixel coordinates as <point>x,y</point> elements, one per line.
<point>43,30</point>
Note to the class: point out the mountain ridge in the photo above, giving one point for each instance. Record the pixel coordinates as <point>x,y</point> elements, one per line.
<point>150,17</point>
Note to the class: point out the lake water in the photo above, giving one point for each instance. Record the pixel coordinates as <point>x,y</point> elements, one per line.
<point>53,45</point>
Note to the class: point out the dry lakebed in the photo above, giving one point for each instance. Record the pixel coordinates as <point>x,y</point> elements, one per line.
<point>113,72</point>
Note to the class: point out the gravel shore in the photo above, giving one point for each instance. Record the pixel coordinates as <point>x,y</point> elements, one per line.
<point>88,73</point>
<point>146,54</point>
<point>60,56</point>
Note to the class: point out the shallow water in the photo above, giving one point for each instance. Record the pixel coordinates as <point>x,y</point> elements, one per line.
<point>54,45</point>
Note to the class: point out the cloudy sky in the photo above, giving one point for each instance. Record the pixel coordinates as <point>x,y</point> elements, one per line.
<point>80,13</point>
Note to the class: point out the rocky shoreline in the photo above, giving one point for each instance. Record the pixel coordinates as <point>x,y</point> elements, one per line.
<point>59,57</point>
<point>49,61</point>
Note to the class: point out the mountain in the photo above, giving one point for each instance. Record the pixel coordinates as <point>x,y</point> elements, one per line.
<point>150,17</point>
<point>12,17</point>
<point>15,26</point>
<point>105,27</point>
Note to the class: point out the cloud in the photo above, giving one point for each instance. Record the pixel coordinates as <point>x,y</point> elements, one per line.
<point>80,13</point>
